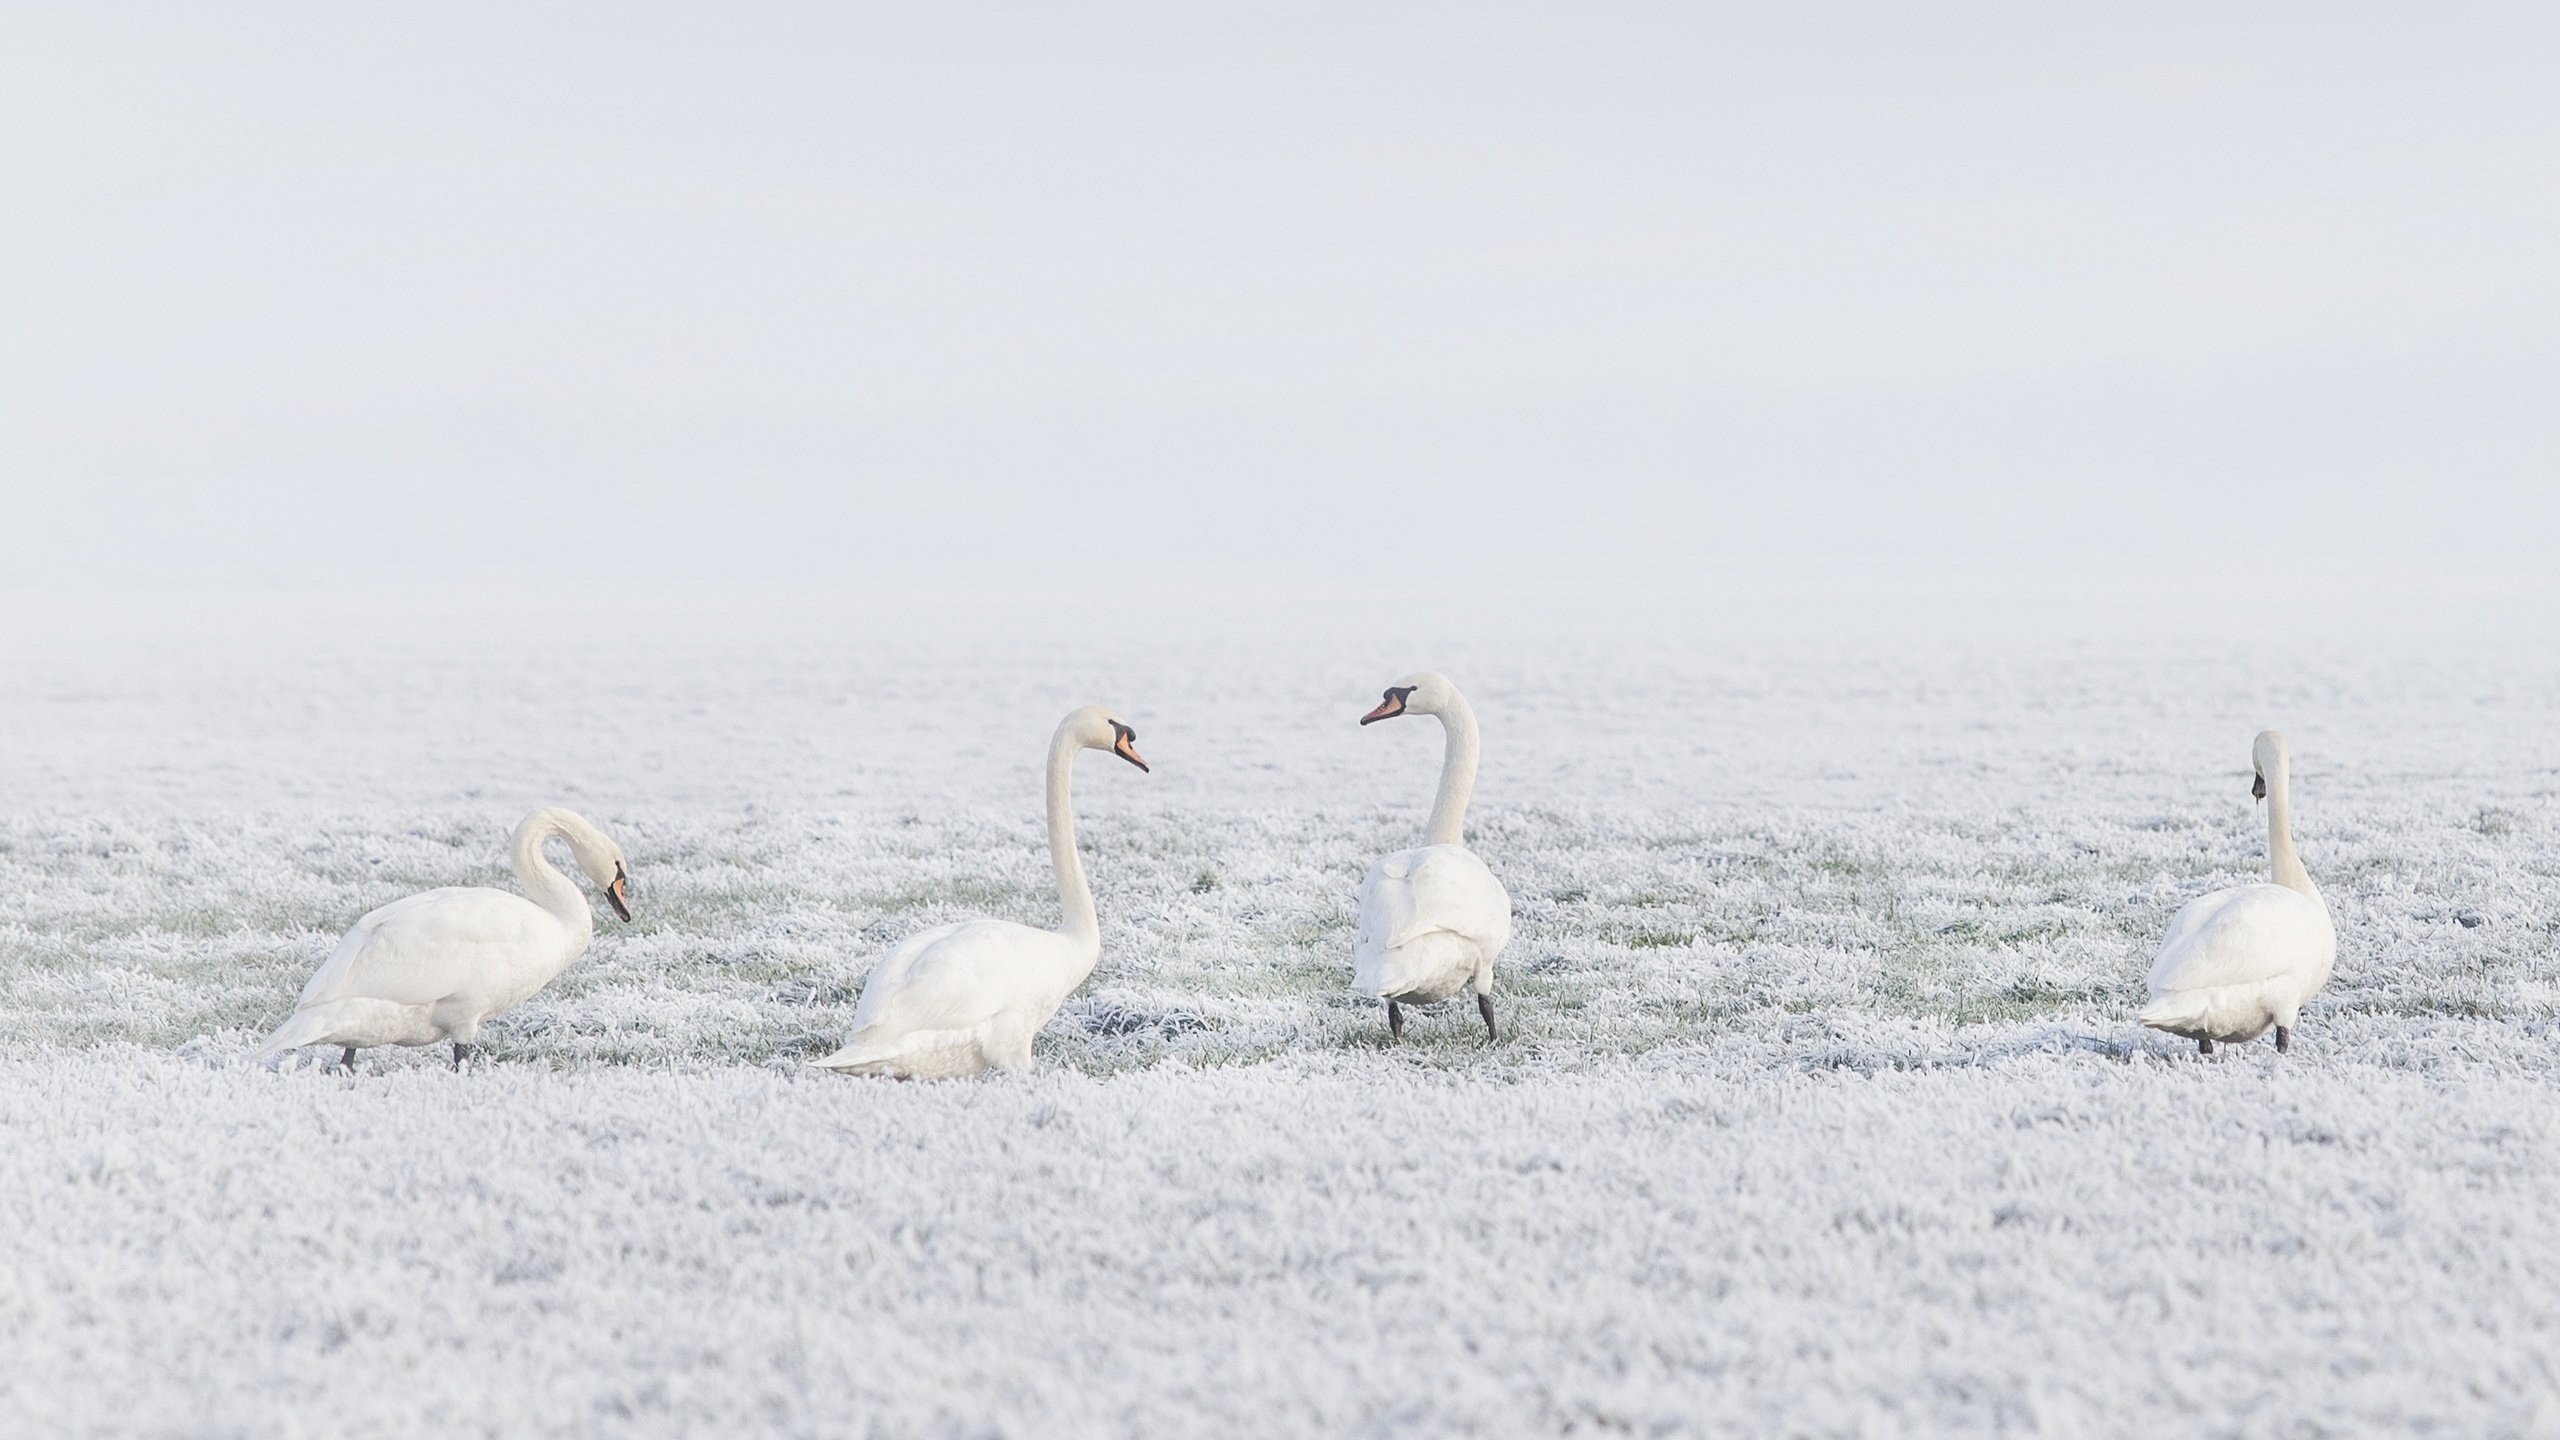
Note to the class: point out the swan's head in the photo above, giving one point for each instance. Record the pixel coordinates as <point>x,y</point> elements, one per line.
<point>1428,693</point>
<point>2267,757</point>
<point>1096,728</point>
<point>597,854</point>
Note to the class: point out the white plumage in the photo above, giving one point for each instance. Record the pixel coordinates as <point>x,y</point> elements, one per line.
<point>2239,962</point>
<point>959,999</point>
<point>1432,919</point>
<point>1431,922</point>
<point>436,966</point>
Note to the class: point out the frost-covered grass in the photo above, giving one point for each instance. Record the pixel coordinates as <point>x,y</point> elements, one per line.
<point>1819,1109</point>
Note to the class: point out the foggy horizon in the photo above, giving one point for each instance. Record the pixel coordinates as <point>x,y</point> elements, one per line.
<point>1985,299</point>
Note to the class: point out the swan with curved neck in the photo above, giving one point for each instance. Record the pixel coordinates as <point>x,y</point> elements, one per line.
<point>1433,919</point>
<point>437,965</point>
<point>959,999</point>
<point>2242,961</point>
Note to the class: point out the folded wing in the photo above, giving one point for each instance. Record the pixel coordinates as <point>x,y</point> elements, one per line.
<point>1409,902</point>
<point>2239,936</point>
<point>419,949</point>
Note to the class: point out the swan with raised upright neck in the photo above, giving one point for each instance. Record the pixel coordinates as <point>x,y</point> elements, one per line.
<point>959,999</point>
<point>1432,919</point>
<point>2242,961</point>
<point>437,965</point>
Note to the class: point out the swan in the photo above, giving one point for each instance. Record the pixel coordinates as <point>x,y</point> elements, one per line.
<point>2240,960</point>
<point>1432,919</point>
<point>435,966</point>
<point>959,999</point>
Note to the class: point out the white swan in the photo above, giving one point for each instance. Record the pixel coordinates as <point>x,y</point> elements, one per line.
<point>2240,960</point>
<point>435,966</point>
<point>958,999</point>
<point>1433,919</point>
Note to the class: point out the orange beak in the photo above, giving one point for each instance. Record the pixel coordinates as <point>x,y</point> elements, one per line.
<point>1128,750</point>
<point>1388,709</point>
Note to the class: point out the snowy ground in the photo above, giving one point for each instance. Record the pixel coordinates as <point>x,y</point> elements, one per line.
<point>1821,1110</point>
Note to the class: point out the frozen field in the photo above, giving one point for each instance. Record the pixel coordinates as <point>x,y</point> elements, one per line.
<point>1821,1110</point>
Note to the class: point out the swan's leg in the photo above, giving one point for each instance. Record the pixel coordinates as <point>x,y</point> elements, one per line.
<point>462,1052</point>
<point>347,1061</point>
<point>2204,1046</point>
<point>1484,1007</point>
<point>1395,1021</point>
<point>2284,1039</point>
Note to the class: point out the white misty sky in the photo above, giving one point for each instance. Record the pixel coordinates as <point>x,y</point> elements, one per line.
<point>1477,297</point>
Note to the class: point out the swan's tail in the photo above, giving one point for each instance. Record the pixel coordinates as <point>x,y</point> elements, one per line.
<point>1436,963</point>
<point>303,1027</point>
<point>352,1020</point>
<point>2180,1012</point>
<point>853,1059</point>
<point>923,1055</point>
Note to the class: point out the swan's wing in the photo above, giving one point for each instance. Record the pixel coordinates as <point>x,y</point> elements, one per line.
<point>2240,936</point>
<point>881,987</point>
<point>1438,887</point>
<point>955,977</point>
<point>418,950</point>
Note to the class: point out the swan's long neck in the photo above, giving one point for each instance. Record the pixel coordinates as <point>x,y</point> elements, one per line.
<point>1457,774</point>
<point>2282,858</point>
<point>543,883</point>
<point>1075,897</point>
